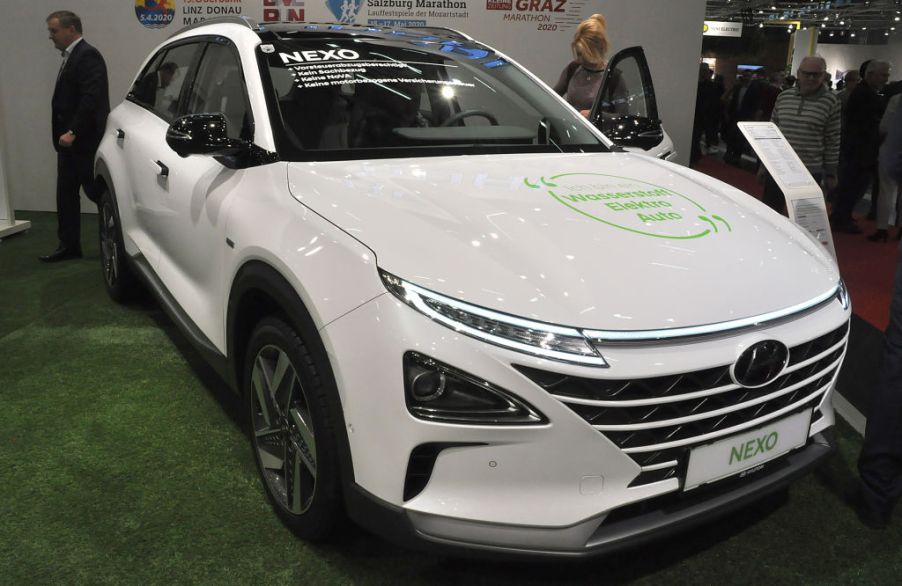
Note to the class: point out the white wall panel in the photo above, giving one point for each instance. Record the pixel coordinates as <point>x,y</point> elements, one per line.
<point>669,31</point>
<point>846,57</point>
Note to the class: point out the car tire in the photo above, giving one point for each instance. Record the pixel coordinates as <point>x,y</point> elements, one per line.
<point>292,430</point>
<point>118,278</point>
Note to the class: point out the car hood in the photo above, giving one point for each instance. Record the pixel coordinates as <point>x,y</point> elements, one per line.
<point>610,241</point>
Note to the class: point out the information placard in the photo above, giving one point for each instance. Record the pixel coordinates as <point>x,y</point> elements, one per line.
<point>804,197</point>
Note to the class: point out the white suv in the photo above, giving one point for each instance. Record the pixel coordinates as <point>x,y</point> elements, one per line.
<point>457,311</point>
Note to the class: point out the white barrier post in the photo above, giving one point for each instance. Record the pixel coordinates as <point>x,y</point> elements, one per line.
<point>8,223</point>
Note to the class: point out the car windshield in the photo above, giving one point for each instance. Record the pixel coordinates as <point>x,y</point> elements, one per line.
<point>406,94</point>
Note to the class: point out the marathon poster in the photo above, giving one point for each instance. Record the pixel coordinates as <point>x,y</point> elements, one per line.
<point>510,17</point>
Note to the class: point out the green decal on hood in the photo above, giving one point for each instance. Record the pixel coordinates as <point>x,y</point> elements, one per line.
<point>632,205</point>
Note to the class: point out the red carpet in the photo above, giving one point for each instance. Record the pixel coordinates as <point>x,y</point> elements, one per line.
<point>867,267</point>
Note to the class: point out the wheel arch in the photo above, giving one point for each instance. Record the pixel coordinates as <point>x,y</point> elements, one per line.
<point>103,177</point>
<point>259,290</point>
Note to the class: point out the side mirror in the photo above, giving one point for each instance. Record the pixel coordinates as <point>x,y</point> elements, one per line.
<point>631,131</point>
<point>202,134</point>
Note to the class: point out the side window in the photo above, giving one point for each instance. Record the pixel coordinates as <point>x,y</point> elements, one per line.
<point>219,87</point>
<point>159,86</point>
<point>625,108</point>
<point>143,91</point>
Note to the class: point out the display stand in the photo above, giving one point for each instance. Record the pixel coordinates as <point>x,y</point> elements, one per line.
<point>8,223</point>
<point>804,197</point>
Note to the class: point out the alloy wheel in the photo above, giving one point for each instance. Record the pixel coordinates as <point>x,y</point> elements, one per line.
<point>109,245</point>
<point>283,437</point>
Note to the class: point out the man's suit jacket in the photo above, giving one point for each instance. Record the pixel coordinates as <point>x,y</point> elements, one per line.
<point>861,131</point>
<point>81,99</point>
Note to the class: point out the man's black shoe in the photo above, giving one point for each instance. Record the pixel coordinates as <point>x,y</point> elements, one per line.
<point>61,253</point>
<point>868,516</point>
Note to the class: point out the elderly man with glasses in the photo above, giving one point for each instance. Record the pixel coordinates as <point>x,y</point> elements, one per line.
<point>808,115</point>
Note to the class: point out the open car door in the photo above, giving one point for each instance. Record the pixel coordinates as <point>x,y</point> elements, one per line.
<point>625,109</point>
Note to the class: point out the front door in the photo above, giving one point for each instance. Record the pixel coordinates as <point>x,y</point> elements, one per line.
<point>625,109</point>
<point>194,193</point>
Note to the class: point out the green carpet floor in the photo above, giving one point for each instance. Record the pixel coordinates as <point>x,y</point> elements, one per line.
<point>122,461</point>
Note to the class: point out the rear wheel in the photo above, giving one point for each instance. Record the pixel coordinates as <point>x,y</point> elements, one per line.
<point>292,431</point>
<point>117,276</point>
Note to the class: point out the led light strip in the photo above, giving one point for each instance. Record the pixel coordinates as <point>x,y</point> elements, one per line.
<point>651,335</point>
<point>414,296</point>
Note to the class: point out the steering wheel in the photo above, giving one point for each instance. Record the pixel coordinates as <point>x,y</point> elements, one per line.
<point>467,113</point>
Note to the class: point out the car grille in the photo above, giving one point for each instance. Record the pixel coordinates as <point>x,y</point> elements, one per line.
<point>656,421</point>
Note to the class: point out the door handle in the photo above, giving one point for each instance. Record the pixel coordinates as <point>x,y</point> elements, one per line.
<point>164,170</point>
<point>120,134</point>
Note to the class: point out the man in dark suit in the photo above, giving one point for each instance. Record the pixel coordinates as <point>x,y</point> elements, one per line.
<point>859,145</point>
<point>879,488</point>
<point>80,105</point>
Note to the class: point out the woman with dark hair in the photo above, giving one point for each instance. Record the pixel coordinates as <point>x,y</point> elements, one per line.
<point>581,79</point>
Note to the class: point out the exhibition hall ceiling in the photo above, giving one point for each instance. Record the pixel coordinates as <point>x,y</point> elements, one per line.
<point>882,16</point>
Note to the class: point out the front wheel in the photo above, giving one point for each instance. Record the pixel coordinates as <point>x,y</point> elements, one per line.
<point>292,431</point>
<point>117,275</point>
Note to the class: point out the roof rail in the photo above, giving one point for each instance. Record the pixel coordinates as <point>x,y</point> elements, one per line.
<point>246,21</point>
<point>445,29</point>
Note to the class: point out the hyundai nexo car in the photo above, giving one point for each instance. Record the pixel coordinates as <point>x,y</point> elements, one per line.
<point>457,311</point>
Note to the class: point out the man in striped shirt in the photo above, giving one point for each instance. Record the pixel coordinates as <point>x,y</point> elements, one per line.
<point>808,115</point>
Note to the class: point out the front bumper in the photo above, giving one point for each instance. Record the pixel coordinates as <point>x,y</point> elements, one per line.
<point>624,528</point>
<point>563,488</point>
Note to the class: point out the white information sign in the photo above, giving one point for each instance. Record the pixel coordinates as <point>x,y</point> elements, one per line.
<point>804,198</point>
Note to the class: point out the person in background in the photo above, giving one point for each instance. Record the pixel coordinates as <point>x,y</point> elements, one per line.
<point>80,105</point>
<point>875,494</point>
<point>809,118</point>
<point>789,82</point>
<point>581,79</point>
<point>850,82</point>
<point>768,97</point>
<point>888,187</point>
<point>889,91</point>
<point>742,104</point>
<point>860,144</point>
<point>705,99</point>
<point>714,114</point>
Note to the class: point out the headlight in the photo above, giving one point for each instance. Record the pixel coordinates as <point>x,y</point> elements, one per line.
<point>438,392</point>
<point>842,295</point>
<point>522,335</point>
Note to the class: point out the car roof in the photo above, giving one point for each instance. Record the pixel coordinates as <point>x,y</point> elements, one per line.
<point>271,31</point>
